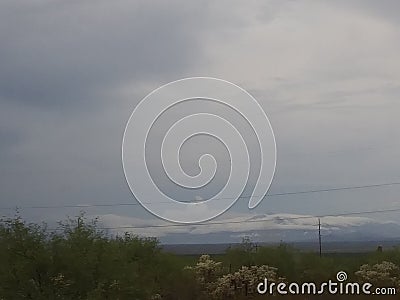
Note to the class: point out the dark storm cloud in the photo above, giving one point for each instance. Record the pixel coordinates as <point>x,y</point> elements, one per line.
<point>8,139</point>
<point>58,52</point>
<point>62,113</point>
<point>71,72</point>
<point>388,10</point>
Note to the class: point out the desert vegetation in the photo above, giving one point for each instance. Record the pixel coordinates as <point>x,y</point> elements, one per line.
<point>79,261</point>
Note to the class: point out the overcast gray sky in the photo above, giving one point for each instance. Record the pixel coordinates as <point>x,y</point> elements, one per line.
<point>327,73</point>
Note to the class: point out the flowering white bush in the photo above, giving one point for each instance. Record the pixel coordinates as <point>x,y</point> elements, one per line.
<point>384,274</point>
<point>206,269</point>
<point>244,281</point>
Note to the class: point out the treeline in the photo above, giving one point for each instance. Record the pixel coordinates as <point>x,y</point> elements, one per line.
<point>302,266</point>
<point>79,261</point>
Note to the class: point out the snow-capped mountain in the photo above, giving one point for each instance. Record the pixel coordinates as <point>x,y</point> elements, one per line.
<point>262,228</point>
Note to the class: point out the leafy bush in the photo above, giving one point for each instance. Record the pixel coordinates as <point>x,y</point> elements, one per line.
<point>78,262</point>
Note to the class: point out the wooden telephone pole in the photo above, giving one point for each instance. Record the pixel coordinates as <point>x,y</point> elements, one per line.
<point>319,237</point>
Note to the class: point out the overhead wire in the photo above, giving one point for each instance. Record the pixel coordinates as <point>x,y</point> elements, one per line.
<point>325,190</point>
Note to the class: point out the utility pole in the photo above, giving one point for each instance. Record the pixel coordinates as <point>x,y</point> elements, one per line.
<point>319,237</point>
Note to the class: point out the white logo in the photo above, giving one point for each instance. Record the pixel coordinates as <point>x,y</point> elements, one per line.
<point>341,276</point>
<point>136,151</point>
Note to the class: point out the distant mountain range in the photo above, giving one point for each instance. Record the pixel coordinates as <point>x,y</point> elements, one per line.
<point>265,228</point>
<point>292,228</point>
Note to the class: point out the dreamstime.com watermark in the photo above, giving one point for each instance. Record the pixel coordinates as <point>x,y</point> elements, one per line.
<point>338,287</point>
<point>188,108</point>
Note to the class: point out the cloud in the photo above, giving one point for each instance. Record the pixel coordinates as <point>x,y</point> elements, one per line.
<point>242,224</point>
<point>326,73</point>
<point>59,53</point>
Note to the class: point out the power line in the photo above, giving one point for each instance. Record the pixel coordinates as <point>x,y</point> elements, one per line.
<point>343,188</point>
<point>248,221</point>
<point>362,212</point>
<point>346,151</point>
<point>326,190</point>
